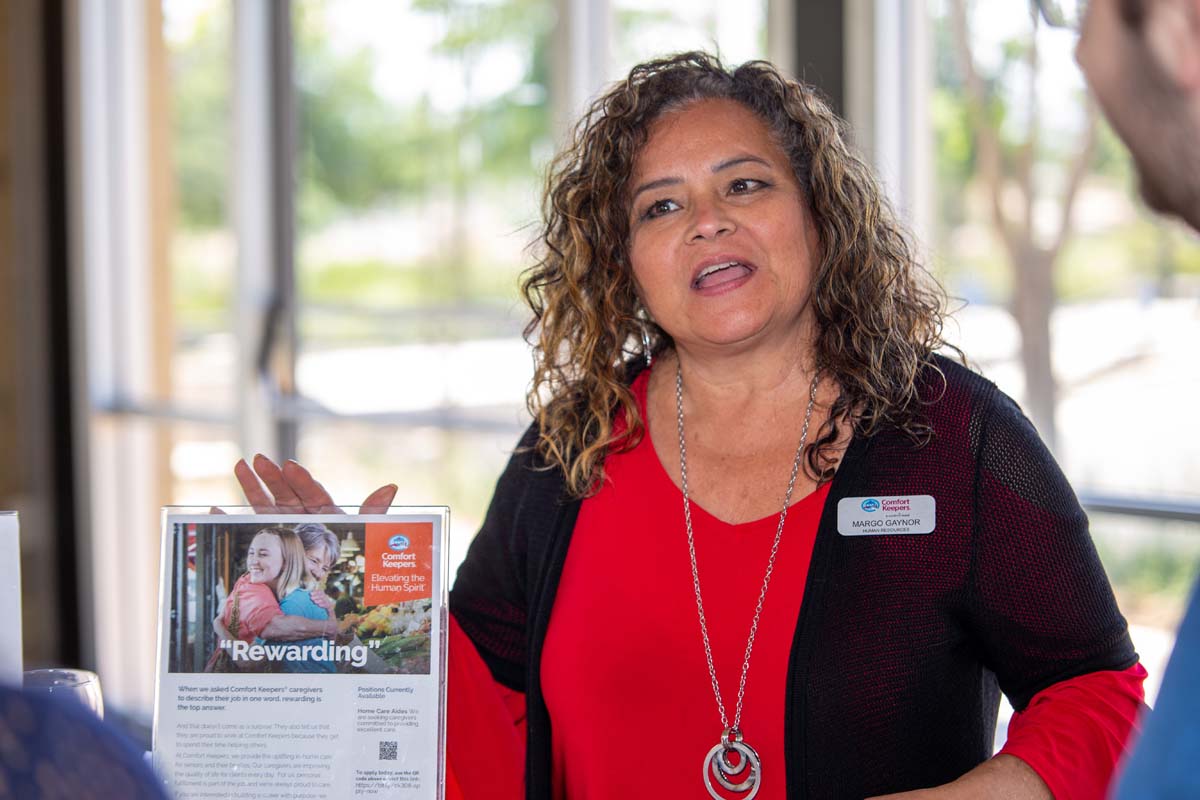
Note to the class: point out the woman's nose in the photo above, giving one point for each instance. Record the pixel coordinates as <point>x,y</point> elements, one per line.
<point>710,219</point>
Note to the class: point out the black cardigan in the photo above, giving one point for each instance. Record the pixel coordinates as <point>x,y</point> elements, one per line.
<point>903,642</point>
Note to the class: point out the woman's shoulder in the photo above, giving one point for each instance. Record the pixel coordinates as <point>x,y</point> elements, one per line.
<point>529,474</point>
<point>949,386</point>
<point>528,458</point>
<point>297,597</point>
<point>962,405</point>
<point>299,591</point>
<point>945,376</point>
<point>245,590</point>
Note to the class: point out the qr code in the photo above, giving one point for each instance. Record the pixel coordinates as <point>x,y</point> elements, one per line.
<point>387,751</point>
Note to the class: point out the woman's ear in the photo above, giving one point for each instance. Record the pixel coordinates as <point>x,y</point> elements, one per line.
<point>1171,30</point>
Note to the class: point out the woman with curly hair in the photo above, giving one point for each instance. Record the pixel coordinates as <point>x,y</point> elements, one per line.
<point>761,539</point>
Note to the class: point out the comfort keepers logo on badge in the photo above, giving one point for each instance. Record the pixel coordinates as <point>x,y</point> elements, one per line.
<point>399,543</point>
<point>885,516</point>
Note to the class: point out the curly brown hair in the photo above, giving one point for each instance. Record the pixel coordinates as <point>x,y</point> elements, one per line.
<point>878,313</point>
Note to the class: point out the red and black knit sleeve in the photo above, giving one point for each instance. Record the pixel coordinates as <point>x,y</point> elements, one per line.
<point>1040,604</point>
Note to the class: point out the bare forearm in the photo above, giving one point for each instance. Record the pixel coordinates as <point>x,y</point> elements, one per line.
<point>289,628</point>
<point>1004,777</point>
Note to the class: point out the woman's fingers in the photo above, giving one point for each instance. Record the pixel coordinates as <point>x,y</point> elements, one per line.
<point>377,502</point>
<point>256,496</point>
<point>291,489</point>
<point>287,501</point>
<point>307,490</point>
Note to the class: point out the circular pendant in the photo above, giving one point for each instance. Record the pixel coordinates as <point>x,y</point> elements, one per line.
<point>719,764</point>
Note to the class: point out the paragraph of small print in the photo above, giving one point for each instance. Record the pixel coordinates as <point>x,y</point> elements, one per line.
<point>388,751</point>
<point>385,782</point>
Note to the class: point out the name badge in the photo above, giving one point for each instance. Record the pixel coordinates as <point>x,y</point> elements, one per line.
<point>883,516</point>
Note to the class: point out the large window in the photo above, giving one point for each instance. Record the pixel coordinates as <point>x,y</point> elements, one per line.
<point>304,226</point>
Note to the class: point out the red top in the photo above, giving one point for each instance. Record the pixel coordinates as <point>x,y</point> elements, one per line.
<point>1074,732</point>
<point>623,668</point>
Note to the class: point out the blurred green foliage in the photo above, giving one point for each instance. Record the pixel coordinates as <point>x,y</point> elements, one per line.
<point>1156,570</point>
<point>381,285</point>
<point>357,149</point>
<point>1152,579</point>
<point>201,106</point>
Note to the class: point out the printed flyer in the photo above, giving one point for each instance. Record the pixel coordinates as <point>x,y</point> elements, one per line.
<point>302,656</point>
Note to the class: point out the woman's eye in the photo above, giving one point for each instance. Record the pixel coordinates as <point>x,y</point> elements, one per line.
<point>744,185</point>
<point>658,208</point>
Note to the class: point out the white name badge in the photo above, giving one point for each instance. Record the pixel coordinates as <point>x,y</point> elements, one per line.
<point>883,516</point>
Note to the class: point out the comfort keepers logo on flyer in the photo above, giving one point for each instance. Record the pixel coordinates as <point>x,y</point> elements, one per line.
<point>399,562</point>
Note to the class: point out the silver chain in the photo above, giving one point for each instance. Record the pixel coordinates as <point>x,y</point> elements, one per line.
<point>762,595</point>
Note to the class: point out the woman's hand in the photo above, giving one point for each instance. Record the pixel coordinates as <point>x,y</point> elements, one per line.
<point>221,630</point>
<point>321,599</point>
<point>223,635</point>
<point>291,489</point>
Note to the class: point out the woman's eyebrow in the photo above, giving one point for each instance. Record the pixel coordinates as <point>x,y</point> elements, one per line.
<point>656,184</point>
<point>718,167</point>
<point>736,160</point>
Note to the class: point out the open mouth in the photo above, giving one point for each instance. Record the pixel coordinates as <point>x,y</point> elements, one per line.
<point>721,274</point>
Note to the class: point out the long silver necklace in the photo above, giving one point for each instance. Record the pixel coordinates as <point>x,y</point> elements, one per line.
<point>719,764</point>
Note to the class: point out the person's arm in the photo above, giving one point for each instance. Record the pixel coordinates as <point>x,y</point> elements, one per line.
<point>291,628</point>
<point>218,625</point>
<point>1061,736</point>
<point>1074,732</point>
<point>259,607</point>
<point>1044,619</point>
<point>1004,777</point>
<point>485,725</point>
<point>221,631</point>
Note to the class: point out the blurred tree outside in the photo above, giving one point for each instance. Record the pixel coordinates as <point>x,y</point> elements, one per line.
<point>1022,154</point>
<point>1006,164</point>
